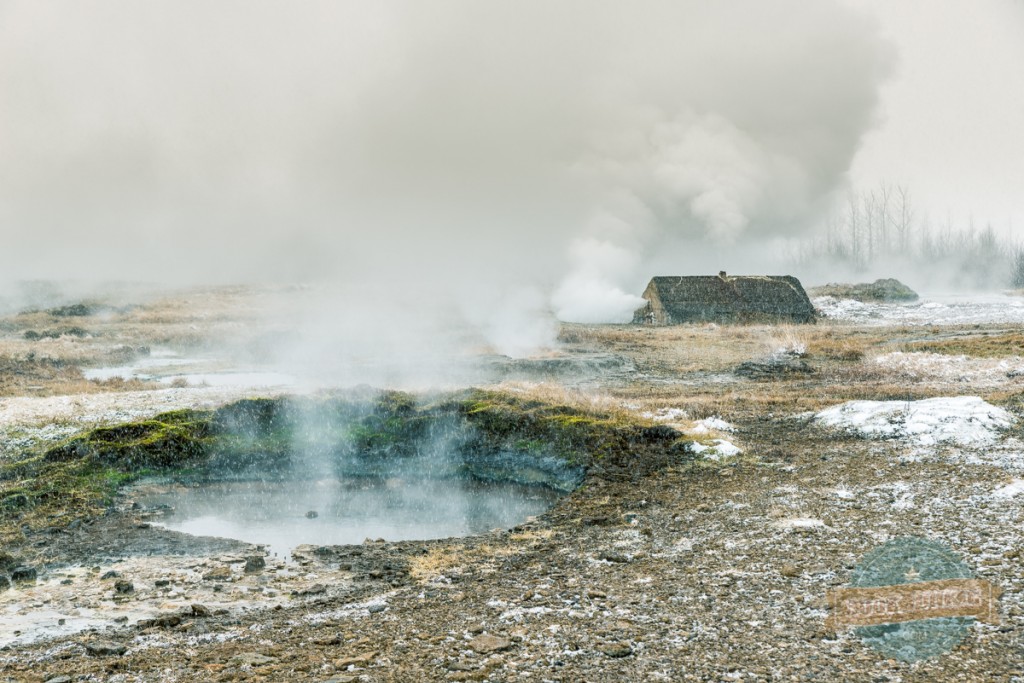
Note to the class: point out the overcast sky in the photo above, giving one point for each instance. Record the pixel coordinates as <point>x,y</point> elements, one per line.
<point>553,151</point>
<point>952,116</point>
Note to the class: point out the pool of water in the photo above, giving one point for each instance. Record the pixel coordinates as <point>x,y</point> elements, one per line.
<point>283,515</point>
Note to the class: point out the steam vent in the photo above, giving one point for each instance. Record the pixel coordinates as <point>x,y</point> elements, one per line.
<point>724,298</point>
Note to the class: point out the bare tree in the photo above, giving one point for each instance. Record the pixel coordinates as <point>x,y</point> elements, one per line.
<point>904,218</point>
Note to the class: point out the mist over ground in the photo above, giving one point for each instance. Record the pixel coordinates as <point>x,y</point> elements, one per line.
<point>492,163</point>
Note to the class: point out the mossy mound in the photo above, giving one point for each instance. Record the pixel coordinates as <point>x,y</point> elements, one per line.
<point>888,289</point>
<point>490,436</point>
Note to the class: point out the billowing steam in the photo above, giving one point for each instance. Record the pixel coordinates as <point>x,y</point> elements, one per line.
<point>489,161</point>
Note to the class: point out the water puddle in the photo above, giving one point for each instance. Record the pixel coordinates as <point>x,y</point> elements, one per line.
<point>170,369</point>
<point>283,515</point>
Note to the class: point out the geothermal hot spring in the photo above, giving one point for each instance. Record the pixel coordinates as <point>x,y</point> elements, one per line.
<point>281,473</point>
<point>283,514</point>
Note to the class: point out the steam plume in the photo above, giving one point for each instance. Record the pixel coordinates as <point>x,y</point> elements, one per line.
<point>529,151</point>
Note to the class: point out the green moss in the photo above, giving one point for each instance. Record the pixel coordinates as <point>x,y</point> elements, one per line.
<point>610,444</point>
<point>490,435</point>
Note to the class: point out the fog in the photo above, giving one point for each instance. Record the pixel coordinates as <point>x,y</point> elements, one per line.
<point>497,163</point>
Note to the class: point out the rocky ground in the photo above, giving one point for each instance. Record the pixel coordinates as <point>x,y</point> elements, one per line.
<point>714,568</point>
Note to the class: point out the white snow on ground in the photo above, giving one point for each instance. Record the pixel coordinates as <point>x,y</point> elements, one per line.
<point>711,424</point>
<point>799,523</point>
<point>930,310</point>
<point>665,415</point>
<point>717,450</point>
<point>941,367</point>
<point>26,420</point>
<point>1010,490</point>
<point>961,420</point>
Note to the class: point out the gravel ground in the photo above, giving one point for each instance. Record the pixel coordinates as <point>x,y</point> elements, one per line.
<point>714,570</point>
<point>701,572</point>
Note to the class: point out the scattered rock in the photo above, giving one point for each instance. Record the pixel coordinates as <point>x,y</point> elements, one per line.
<point>594,594</point>
<point>790,571</point>
<point>23,574</point>
<point>774,367</point>
<point>5,583</point>
<point>312,514</point>
<point>255,563</point>
<point>218,574</point>
<point>59,679</point>
<point>252,659</point>
<point>616,650</point>
<point>486,644</point>
<point>612,556</point>
<point>361,659</point>
<point>162,621</point>
<point>105,648</point>
<point>200,610</point>
<point>110,575</point>
<point>123,587</point>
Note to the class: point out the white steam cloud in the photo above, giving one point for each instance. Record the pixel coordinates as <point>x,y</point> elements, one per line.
<point>500,160</point>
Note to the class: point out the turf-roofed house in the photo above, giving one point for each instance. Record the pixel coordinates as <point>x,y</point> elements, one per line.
<point>722,298</point>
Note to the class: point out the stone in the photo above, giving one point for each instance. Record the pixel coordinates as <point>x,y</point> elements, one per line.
<point>252,659</point>
<point>611,556</point>
<point>23,574</point>
<point>167,620</point>
<point>768,368</point>
<point>218,574</point>
<point>105,648</point>
<point>486,644</point>
<point>200,610</point>
<point>361,659</point>
<point>123,587</point>
<point>255,563</point>
<point>790,571</point>
<point>5,582</point>
<point>110,575</point>
<point>59,679</point>
<point>315,589</point>
<point>616,650</point>
<point>312,514</point>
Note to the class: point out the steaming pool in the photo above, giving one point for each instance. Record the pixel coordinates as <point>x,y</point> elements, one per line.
<point>282,515</point>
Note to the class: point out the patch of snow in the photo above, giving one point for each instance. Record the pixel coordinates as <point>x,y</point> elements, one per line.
<point>665,415</point>
<point>709,424</point>
<point>843,493</point>
<point>962,420</point>
<point>1010,490</point>
<point>949,368</point>
<point>799,523</point>
<point>719,449</point>
<point>936,309</point>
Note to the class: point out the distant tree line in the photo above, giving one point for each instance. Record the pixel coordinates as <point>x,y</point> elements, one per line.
<point>881,228</point>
